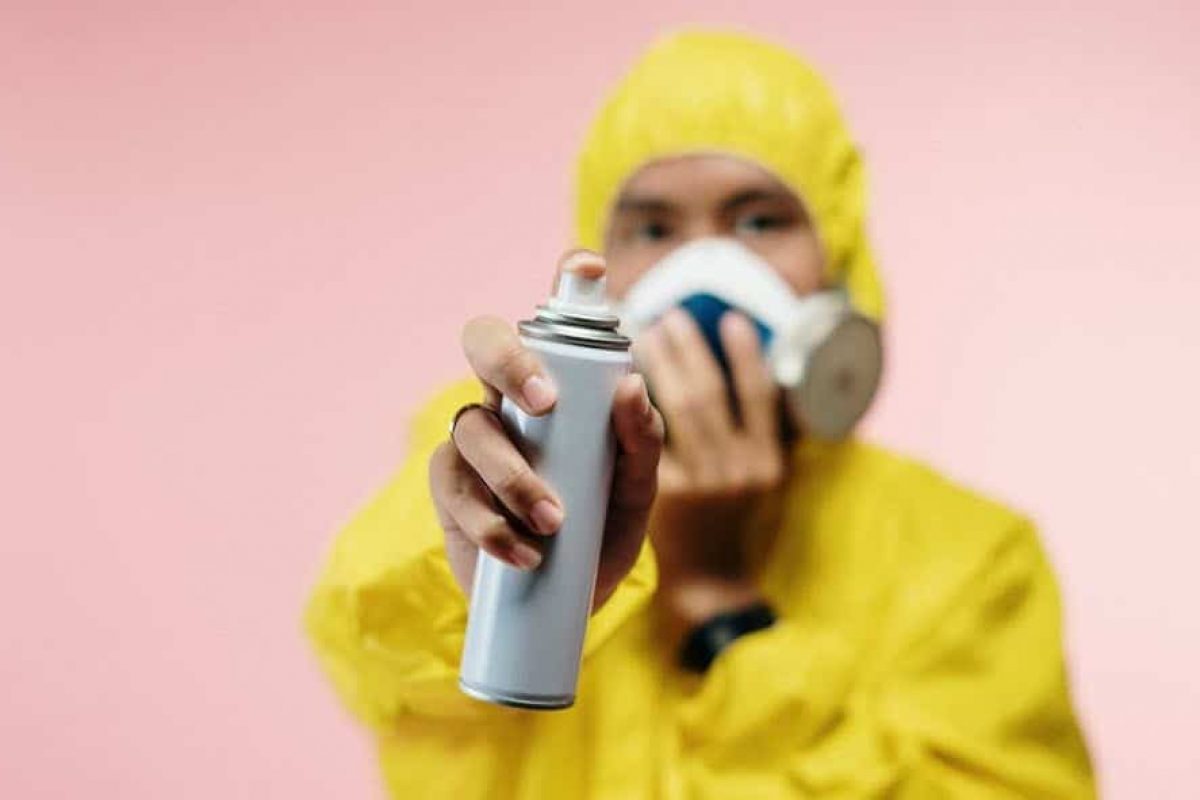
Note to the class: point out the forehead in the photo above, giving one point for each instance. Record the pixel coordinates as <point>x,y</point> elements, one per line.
<point>700,177</point>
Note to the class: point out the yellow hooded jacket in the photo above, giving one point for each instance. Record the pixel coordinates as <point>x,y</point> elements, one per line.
<point>918,652</point>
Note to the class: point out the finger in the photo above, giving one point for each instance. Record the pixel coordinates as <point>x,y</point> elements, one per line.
<point>461,552</point>
<point>504,364</point>
<point>467,512</point>
<point>755,388</point>
<point>482,441</point>
<point>639,431</point>
<point>706,384</point>
<point>653,356</point>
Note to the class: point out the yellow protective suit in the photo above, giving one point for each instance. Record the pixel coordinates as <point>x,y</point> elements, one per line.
<point>918,652</point>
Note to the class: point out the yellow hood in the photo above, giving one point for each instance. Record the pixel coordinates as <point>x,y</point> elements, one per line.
<point>701,91</point>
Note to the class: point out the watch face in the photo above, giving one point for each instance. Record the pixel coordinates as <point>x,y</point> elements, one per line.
<point>841,375</point>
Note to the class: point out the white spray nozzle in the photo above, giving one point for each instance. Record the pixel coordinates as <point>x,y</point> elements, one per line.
<point>581,282</point>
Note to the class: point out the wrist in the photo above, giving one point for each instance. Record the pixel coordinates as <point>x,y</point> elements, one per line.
<point>706,642</point>
<point>695,602</point>
<point>685,605</point>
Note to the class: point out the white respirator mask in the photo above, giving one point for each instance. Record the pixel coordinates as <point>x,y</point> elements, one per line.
<point>826,356</point>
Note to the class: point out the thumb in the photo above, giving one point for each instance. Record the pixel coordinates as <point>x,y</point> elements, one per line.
<point>639,429</point>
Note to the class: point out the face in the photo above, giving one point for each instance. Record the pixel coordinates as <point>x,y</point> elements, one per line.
<point>672,201</point>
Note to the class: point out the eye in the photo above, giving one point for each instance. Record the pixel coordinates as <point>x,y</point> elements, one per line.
<point>653,232</point>
<point>761,223</point>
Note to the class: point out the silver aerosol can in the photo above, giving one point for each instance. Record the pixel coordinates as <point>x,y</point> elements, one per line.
<point>525,629</point>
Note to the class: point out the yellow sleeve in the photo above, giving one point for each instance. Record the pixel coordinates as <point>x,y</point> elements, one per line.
<point>387,618</point>
<point>974,705</point>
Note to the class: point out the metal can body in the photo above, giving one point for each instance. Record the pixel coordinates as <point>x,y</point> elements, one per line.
<point>525,630</point>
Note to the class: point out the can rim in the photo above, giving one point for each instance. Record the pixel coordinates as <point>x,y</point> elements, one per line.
<point>560,316</point>
<point>572,334</point>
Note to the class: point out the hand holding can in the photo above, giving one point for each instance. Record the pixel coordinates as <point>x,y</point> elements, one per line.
<point>522,489</point>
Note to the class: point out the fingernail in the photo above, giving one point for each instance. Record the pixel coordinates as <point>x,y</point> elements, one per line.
<point>735,321</point>
<point>677,320</point>
<point>644,397</point>
<point>547,517</point>
<point>584,263</point>
<point>538,392</point>
<point>526,556</point>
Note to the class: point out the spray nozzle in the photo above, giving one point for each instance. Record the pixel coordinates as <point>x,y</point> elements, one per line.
<point>578,311</point>
<point>581,282</point>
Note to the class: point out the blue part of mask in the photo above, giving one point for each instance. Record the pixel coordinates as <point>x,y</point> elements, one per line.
<point>707,310</point>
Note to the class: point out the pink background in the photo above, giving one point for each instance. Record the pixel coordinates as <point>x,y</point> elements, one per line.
<point>237,242</point>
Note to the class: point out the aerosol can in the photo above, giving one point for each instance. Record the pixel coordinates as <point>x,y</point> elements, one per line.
<point>525,629</point>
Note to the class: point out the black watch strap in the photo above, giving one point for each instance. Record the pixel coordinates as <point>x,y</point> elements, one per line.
<point>705,642</point>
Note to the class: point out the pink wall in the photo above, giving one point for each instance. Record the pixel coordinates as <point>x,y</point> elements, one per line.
<point>237,242</point>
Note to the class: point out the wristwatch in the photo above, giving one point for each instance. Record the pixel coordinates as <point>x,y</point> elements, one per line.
<point>706,641</point>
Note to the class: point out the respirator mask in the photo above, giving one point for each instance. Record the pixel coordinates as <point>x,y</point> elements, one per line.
<point>825,356</point>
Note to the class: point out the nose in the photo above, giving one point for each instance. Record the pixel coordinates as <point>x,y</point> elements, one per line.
<point>701,228</point>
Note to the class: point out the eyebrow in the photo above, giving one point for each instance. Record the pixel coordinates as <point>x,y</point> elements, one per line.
<point>755,195</point>
<point>635,204</point>
<point>649,204</point>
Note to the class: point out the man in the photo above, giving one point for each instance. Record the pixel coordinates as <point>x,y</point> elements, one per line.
<point>909,640</point>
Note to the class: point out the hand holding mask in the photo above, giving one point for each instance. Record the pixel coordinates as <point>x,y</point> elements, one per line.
<point>826,357</point>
